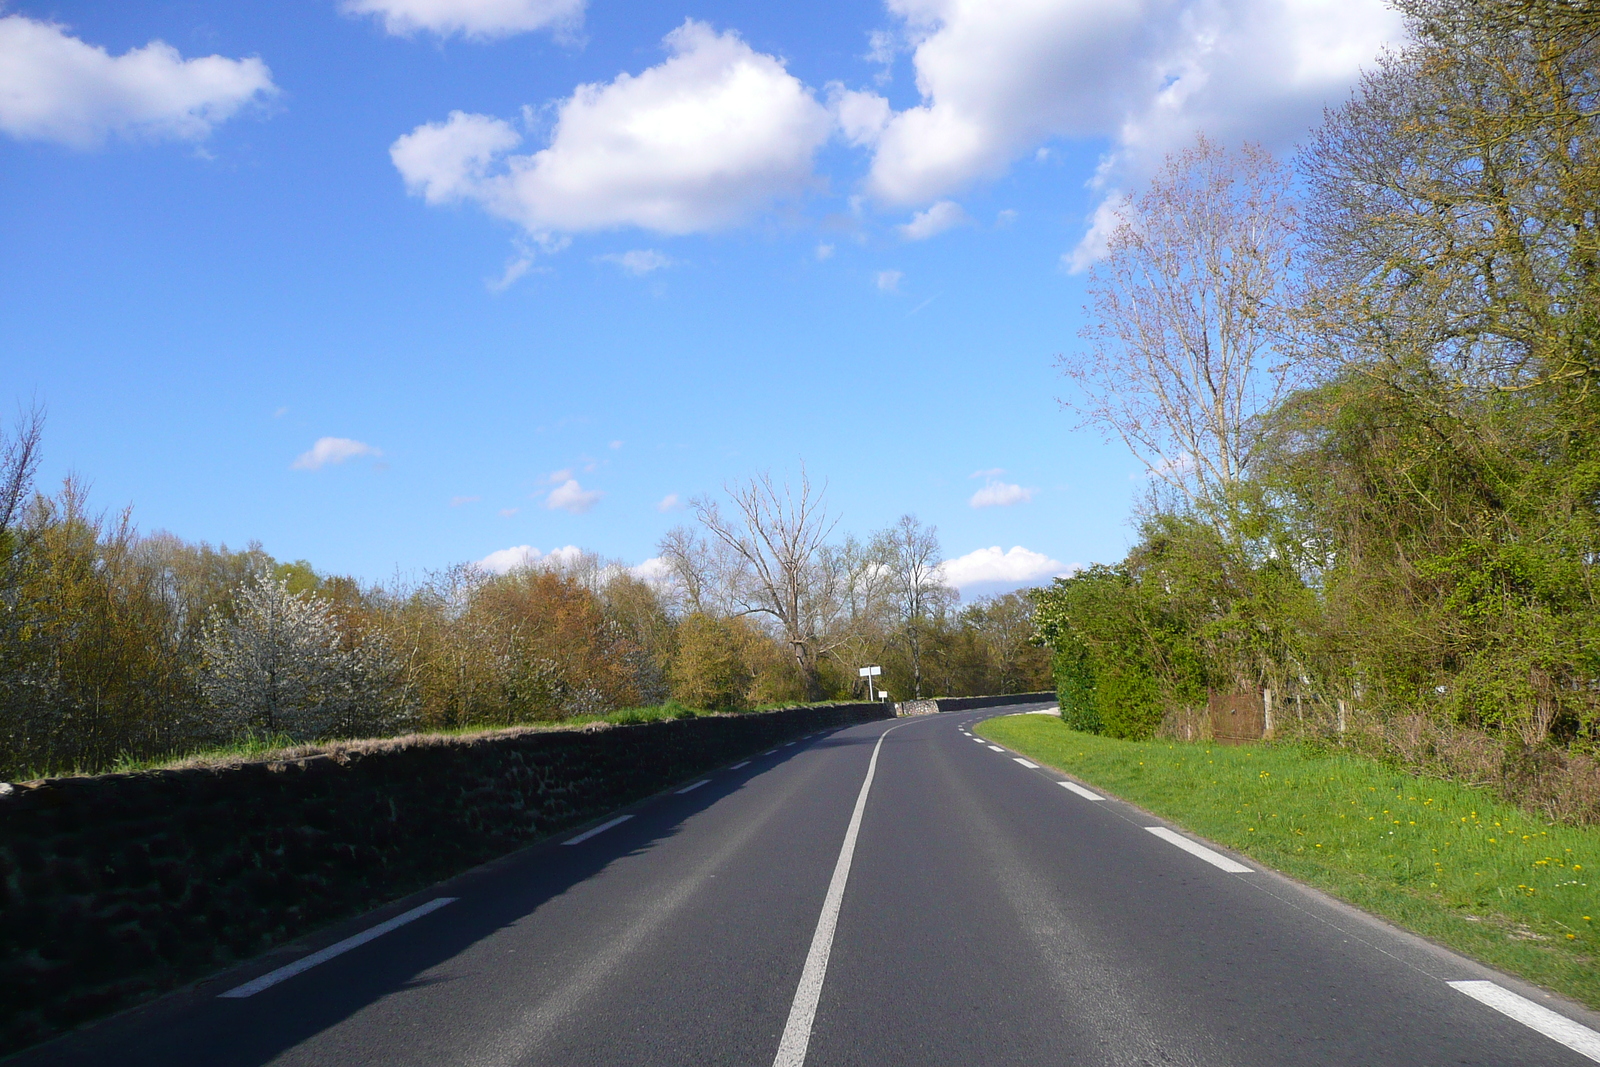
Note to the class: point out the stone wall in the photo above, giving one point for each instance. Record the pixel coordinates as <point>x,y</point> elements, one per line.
<point>115,888</point>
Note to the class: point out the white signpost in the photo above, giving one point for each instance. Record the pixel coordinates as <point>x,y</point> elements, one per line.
<point>870,673</point>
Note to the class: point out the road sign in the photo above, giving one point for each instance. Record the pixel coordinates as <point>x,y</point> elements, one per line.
<point>868,672</point>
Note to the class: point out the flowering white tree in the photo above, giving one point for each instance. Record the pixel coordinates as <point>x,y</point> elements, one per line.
<point>278,666</point>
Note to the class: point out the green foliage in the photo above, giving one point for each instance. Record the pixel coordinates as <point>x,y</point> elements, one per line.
<point>710,670</point>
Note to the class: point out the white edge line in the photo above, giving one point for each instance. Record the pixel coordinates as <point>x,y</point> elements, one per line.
<point>1025,763</point>
<point>1216,859</point>
<point>1556,1027</point>
<point>797,1031</point>
<point>602,828</point>
<point>736,766</point>
<point>305,963</point>
<point>692,788</point>
<point>1080,790</point>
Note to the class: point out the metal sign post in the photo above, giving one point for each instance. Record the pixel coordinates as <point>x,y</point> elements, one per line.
<point>870,673</point>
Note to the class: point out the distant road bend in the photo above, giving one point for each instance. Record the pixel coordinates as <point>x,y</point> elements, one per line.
<point>891,893</point>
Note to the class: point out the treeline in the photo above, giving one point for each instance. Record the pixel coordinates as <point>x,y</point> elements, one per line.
<point>1368,391</point>
<point>119,646</point>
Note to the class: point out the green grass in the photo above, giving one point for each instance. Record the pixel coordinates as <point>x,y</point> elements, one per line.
<point>1444,860</point>
<point>266,746</point>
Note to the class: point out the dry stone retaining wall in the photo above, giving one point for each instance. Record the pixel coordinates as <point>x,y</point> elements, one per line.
<point>117,887</point>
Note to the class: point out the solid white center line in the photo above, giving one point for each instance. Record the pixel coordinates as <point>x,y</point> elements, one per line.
<point>736,766</point>
<point>602,828</point>
<point>1216,859</point>
<point>692,787</point>
<point>1080,790</point>
<point>305,963</point>
<point>1577,1037</point>
<point>1025,763</point>
<point>797,1031</point>
<point>996,748</point>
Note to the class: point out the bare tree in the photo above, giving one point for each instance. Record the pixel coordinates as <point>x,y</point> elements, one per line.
<point>1184,315</point>
<point>775,536</point>
<point>912,563</point>
<point>19,461</point>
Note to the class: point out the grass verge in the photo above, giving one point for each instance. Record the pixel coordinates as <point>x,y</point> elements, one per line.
<point>1446,861</point>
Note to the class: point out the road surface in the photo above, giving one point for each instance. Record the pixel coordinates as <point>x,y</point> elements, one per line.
<point>965,908</point>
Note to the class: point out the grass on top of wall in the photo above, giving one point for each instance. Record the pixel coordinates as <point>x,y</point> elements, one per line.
<point>1441,859</point>
<point>258,747</point>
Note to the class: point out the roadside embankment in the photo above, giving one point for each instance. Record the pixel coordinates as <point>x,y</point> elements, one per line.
<point>1446,861</point>
<point>117,887</point>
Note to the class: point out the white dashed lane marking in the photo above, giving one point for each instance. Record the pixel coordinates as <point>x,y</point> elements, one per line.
<point>1216,859</point>
<point>1080,790</point>
<point>693,786</point>
<point>305,963</point>
<point>1577,1037</point>
<point>1025,763</point>
<point>736,766</point>
<point>996,748</point>
<point>602,828</point>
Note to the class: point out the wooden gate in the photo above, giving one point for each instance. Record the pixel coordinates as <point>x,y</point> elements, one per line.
<point>1238,717</point>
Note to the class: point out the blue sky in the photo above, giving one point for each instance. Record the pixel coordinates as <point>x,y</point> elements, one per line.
<point>842,234</point>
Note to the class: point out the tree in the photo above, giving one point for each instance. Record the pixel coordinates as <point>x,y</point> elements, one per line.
<point>909,553</point>
<point>775,538</point>
<point>710,670</point>
<point>276,665</point>
<point>1185,312</point>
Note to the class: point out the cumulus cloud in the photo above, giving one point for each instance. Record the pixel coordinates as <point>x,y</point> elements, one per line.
<point>699,142</point>
<point>889,280</point>
<point>1016,565</point>
<point>670,502</point>
<point>638,262</point>
<point>654,570</point>
<point>571,497</point>
<point>998,494</point>
<point>56,87</point>
<point>996,79</point>
<point>519,556</point>
<point>469,18</point>
<point>940,217</point>
<point>332,450</point>
<point>824,251</point>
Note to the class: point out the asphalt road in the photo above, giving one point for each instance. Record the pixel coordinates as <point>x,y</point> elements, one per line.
<point>988,916</point>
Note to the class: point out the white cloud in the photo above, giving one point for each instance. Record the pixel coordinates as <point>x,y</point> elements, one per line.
<point>699,142</point>
<point>638,262</point>
<point>654,571</point>
<point>989,472</point>
<point>998,78</point>
<point>518,556</point>
<point>470,18</point>
<point>506,513</point>
<point>889,280</point>
<point>670,502</point>
<point>1107,216</point>
<point>332,450</point>
<point>458,501</point>
<point>557,477</point>
<point>824,252</point>
<point>997,494</point>
<point>860,116</point>
<point>56,87</point>
<point>616,445</point>
<point>985,565</point>
<point>572,497</point>
<point>937,219</point>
